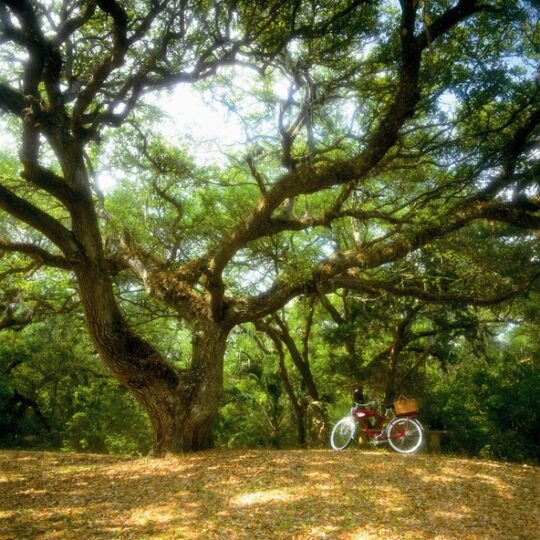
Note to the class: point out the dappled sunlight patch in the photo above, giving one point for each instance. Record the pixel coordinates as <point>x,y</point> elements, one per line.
<point>75,469</point>
<point>159,514</point>
<point>400,500</point>
<point>318,475</point>
<point>462,478</point>
<point>370,535</point>
<point>440,478</point>
<point>389,531</point>
<point>452,512</point>
<point>12,476</point>
<point>327,532</point>
<point>32,492</point>
<point>266,496</point>
<point>322,488</point>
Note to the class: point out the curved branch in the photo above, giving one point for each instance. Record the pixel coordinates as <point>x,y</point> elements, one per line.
<point>25,401</point>
<point>45,62</point>
<point>277,225</point>
<point>40,220</point>
<point>355,282</point>
<point>14,321</point>
<point>307,179</point>
<point>336,271</point>
<point>11,101</point>
<point>442,24</point>
<point>173,288</point>
<point>51,183</point>
<point>299,359</point>
<point>114,60</point>
<point>511,152</point>
<point>36,253</point>
<point>70,26</point>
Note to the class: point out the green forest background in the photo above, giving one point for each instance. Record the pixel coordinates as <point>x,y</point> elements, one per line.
<point>481,381</point>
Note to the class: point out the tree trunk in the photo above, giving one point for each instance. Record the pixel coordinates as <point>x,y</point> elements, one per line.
<point>202,388</point>
<point>181,405</point>
<point>298,406</point>
<point>390,386</point>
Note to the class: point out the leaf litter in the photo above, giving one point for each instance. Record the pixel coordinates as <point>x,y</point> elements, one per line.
<point>226,494</point>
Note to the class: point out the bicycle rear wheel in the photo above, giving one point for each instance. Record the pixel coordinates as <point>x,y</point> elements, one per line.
<point>405,435</point>
<point>342,434</point>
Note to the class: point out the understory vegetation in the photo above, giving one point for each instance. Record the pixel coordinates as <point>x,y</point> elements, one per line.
<point>55,393</point>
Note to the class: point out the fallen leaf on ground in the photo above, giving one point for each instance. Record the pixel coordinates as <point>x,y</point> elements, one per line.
<point>317,494</point>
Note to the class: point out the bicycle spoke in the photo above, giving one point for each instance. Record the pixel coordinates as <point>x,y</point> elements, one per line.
<point>405,435</point>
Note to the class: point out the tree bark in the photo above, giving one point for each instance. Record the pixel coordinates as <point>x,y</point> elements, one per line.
<point>181,405</point>
<point>202,386</point>
<point>298,405</point>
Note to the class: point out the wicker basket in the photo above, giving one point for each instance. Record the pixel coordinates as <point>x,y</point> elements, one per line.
<point>406,406</point>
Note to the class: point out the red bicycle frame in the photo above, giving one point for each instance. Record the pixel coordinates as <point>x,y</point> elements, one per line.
<point>376,432</point>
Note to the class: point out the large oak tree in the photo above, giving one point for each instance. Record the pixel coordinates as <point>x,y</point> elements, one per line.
<point>401,126</point>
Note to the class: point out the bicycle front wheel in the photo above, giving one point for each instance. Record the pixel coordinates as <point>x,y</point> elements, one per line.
<point>342,434</point>
<point>405,435</point>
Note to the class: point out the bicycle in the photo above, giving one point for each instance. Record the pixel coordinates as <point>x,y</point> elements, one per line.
<point>404,433</point>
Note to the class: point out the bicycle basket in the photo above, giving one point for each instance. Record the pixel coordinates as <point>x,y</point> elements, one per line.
<point>406,406</point>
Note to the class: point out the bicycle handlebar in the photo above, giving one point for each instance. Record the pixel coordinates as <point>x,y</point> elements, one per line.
<point>375,402</point>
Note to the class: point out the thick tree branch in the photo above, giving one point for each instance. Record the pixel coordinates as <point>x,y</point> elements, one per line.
<point>425,353</point>
<point>332,311</point>
<point>278,224</point>
<point>296,403</point>
<point>352,281</point>
<point>511,153</point>
<point>389,251</point>
<point>333,272</point>
<point>39,220</point>
<point>300,360</point>
<point>15,321</point>
<point>11,101</point>
<point>442,24</point>
<point>70,26</point>
<point>45,62</point>
<point>52,184</point>
<point>114,60</point>
<point>305,180</point>
<point>522,213</point>
<point>17,399</point>
<point>36,253</point>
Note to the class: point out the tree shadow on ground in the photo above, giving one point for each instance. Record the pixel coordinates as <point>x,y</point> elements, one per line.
<point>265,494</point>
